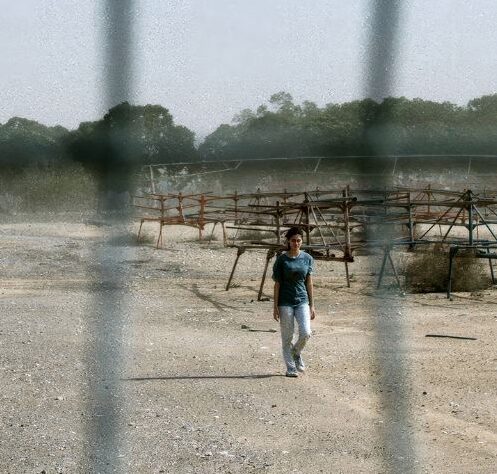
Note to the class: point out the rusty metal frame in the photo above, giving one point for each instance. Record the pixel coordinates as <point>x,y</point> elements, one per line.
<point>336,213</point>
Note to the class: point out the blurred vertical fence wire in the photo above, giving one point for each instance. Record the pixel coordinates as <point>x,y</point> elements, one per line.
<point>388,345</point>
<point>108,311</point>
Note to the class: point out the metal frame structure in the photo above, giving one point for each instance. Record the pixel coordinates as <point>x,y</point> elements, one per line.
<point>337,223</point>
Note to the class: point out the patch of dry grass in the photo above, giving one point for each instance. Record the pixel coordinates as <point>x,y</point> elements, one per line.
<point>427,271</point>
<point>255,235</point>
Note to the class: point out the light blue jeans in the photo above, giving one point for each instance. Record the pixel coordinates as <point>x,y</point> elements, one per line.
<point>288,314</point>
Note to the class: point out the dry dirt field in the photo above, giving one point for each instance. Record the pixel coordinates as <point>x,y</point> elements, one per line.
<point>154,367</point>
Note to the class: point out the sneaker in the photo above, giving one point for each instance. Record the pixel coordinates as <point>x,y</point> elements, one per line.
<point>299,362</point>
<point>291,373</point>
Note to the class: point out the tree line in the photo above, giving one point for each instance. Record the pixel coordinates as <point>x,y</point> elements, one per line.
<point>394,126</point>
<point>135,135</point>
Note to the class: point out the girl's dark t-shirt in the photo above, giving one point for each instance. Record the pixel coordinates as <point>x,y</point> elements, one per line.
<point>291,273</point>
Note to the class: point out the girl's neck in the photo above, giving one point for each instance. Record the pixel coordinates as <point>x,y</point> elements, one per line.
<point>293,253</point>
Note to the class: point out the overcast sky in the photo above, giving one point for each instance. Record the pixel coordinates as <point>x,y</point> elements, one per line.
<point>205,60</point>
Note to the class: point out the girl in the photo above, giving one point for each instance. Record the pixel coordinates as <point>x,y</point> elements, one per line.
<point>293,299</point>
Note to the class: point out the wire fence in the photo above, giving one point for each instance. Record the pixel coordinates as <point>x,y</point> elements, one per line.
<point>110,305</point>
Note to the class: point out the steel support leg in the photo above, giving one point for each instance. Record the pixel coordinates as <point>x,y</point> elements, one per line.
<point>452,254</point>
<point>394,270</point>
<point>238,253</point>
<point>269,256</point>
<point>347,276</point>
<point>382,269</point>
<point>159,239</point>
<point>139,231</point>
<point>491,268</point>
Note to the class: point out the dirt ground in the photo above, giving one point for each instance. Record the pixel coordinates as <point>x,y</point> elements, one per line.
<point>153,367</point>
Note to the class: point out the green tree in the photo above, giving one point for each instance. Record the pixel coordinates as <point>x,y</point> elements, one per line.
<point>129,136</point>
<point>26,142</point>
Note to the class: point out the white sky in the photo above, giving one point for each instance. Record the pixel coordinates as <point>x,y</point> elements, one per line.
<point>205,60</point>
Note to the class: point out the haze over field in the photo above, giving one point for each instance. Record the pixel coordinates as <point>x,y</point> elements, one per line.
<point>206,61</point>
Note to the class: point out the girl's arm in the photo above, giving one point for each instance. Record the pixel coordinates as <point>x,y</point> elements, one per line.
<point>310,294</point>
<point>276,312</point>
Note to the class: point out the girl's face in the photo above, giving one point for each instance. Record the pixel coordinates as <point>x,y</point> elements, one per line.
<point>295,242</point>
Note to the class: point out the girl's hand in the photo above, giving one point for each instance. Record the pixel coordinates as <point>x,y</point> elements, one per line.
<point>276,314</point>
<point>313,312</point>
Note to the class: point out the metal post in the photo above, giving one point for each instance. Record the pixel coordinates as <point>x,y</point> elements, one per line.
<point>269,256</point>
<point>411,224</point>
<point>306,220</point>
<point>225,236</point>
<point>346,218</point>
<point>236,207</point>
<point>382,270</point>
<point>139,230</point>
<point>162,220</point>
<point>491,268</point>
<point>180,207</point>
<point>238,253</point>
<point>347,277</point>
<point>394,270</point>
<point>452,254</point>
<point>470,216</point>
<point>201,220</point>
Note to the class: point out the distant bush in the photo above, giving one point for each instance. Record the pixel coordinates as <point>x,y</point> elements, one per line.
<point>427,271</point>
<point>51,189</point>
<point>255,235</point>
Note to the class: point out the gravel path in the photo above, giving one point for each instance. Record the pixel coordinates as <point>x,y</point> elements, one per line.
<point>154,367</point>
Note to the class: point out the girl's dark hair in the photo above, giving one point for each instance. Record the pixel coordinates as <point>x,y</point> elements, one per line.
<point>293,231</point>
